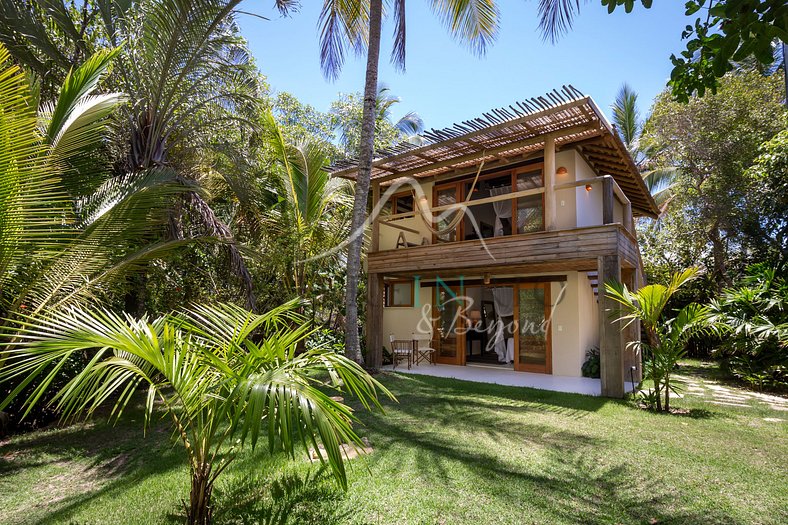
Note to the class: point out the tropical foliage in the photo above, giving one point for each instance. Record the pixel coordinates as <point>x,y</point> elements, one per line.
<point>713,141</point>
<point>752,318</point>
<point>224,376</point>
<point>69,227</point>
<point>666,336</point>
<point>659,180</point>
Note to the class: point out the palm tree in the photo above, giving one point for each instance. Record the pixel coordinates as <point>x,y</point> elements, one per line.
<point>357,25</point>
<point>66,226</point>
<point>348,114</point>
<point>222,374</point>
<point>667,337</point>
<point>660,180</point>
<point>312,207</point>
<point>188,77</point>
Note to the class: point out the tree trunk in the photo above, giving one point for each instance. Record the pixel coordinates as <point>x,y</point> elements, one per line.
<point>719,257</point>
<point>366,151</point>
<point>199,511</point>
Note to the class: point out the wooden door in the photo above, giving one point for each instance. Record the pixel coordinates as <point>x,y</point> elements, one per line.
<point>533,352</point>
<point>448,337</point>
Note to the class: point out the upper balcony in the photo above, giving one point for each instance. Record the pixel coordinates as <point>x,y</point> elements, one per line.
<point>545,182</point>
<point>508,231</point>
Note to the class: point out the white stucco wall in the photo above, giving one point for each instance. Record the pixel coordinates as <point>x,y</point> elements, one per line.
<point>388,235</point>
<point>402,321</point>
<point>565,205</point>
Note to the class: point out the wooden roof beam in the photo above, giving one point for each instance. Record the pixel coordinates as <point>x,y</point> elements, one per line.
<point>453,140</point>
<point>449,163</point>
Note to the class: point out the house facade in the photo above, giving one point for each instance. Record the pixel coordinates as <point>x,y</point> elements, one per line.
<point>494,236</point>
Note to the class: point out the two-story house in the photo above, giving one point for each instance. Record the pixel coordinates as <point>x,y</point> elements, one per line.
<point>495,236</point>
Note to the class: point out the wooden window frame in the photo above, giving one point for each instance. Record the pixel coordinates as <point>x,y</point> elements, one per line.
<point>460,185</point>
<point>388,293</point>
<point>393,201</point>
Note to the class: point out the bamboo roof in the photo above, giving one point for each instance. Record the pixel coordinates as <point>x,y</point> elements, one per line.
<point>507,135</point>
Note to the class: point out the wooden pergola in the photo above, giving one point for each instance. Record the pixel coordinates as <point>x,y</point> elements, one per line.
<point>504,136</point>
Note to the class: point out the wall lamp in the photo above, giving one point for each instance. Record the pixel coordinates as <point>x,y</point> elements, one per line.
<point>588,187</point>
<point>561,171</point>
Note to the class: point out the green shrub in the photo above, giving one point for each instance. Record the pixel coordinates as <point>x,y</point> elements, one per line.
<point>591,366</point>
<point>753,321</point>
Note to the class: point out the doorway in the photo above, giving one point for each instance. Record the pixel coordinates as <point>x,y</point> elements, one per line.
<point>503,325</point>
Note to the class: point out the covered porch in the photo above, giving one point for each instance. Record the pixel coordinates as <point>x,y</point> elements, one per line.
<point>508,377</point>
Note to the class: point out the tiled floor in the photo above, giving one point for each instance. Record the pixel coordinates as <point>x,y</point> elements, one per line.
<point>508,377</point>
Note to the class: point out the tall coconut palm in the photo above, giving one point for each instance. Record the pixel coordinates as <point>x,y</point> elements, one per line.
<point>224,376</point>
<point>660,180</point>
<point>357,25</point>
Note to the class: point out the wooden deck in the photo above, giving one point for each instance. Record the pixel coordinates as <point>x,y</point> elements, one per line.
<point>575,249</point>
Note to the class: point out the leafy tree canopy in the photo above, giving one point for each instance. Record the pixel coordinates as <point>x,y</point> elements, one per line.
<point>726,32</point>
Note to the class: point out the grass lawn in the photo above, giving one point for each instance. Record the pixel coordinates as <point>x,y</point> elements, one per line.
<point>449,452</point>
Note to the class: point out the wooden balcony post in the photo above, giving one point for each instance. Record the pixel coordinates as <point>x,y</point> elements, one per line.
<point>374,324</point>
<point>628,222</point>
<point>607,200</point>
<point>374,244</point>
<point>611,338</point>
<point>549,182</point>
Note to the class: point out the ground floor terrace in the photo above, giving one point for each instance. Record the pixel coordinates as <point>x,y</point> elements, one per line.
<point>494,375</point>
<point>492,324</point>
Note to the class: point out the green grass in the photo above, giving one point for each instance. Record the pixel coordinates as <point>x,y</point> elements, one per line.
<point>449,452</point>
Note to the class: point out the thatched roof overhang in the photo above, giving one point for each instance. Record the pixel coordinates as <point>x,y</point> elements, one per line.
<point>509,135</point>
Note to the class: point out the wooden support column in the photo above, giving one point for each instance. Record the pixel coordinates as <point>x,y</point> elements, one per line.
<point>611,339</point>
<point>631,334</point>
<point>374,325</point>
<point>607,200</point>
<point>549,182</point>
<point>374,244</point>
<point>628,223</point>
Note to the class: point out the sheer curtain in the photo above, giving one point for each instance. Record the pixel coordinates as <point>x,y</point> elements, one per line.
<point>503,210</point>
<point>504,307</point>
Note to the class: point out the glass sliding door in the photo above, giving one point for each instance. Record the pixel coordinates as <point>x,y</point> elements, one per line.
<point>533,351</point>
<point>448,337</point>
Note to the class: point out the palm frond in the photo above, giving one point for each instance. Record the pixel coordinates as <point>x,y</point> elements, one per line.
<point>626,117</point>
<point>556,17</point>
<point>344,25</point>
<point>474,23</point>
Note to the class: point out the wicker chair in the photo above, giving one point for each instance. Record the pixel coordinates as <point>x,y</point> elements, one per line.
<point>422,350</point>
<point>401,349</point>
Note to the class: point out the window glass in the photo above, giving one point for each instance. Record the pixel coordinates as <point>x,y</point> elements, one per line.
<point>403,204</point>
<point>445,197</point>
<point>399,294</point>
<point>529,180</point>
<point>530,214</point>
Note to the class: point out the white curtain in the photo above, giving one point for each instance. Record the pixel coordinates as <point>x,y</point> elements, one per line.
<point>504,307</point>
<point>503,210</point>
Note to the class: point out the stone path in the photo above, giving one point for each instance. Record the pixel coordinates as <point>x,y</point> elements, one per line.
<point>717,394</point>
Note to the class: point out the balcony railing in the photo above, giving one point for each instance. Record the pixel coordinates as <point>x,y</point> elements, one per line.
<point>611,192</point>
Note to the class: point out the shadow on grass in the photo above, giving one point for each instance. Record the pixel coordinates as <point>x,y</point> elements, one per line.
<point>312,498</point>
<point>97,458</point>
<point>524,398</point>
<point>465,442</point>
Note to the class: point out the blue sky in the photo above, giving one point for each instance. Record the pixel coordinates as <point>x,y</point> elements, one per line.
<point>445,83</point>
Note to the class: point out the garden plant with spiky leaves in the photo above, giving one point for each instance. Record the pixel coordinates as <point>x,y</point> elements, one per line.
<point>223,375</point>
<point>667,337</point>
